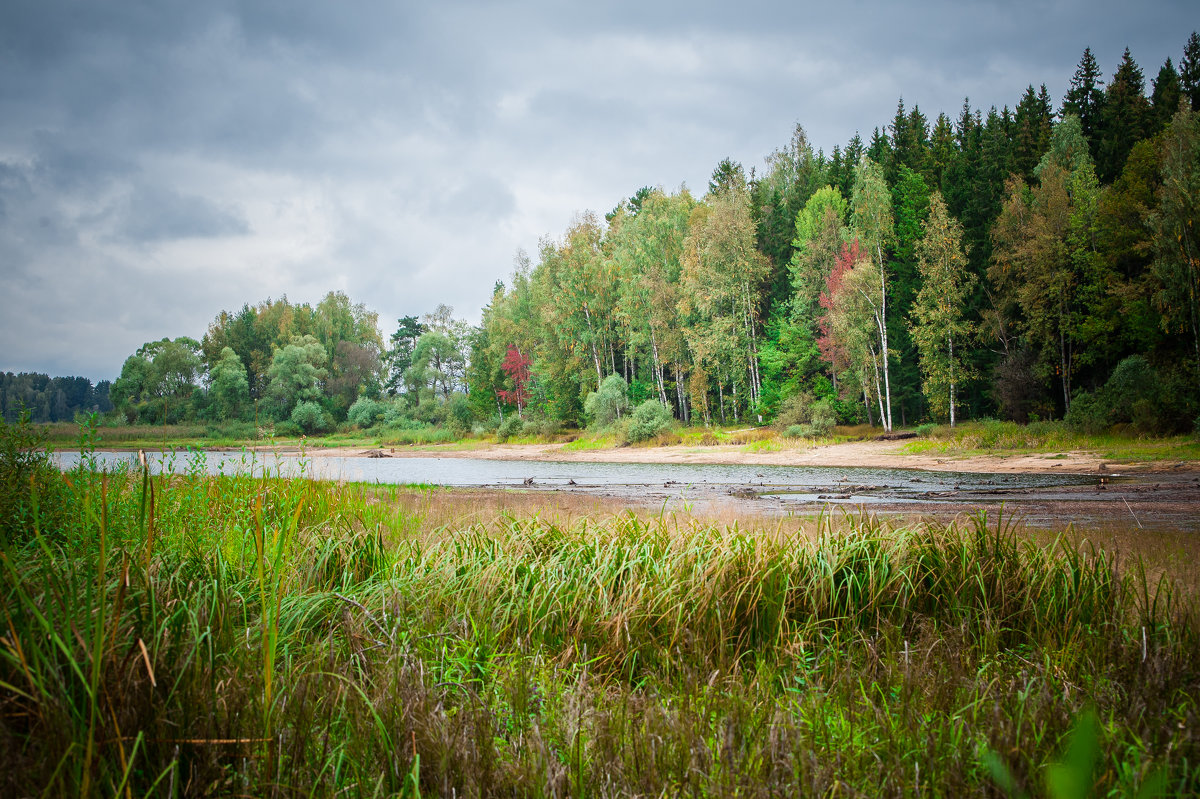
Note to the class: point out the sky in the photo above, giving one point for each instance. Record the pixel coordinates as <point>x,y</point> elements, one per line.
<point>162,161</point>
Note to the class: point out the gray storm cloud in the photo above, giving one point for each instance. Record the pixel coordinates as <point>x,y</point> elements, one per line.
<point>162,161</point>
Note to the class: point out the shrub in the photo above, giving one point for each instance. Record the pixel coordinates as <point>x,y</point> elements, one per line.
<point>287,429</point>
<point>802,410</point>
<point>401,423</point>
<point>605,405</point>
<point>310,417</point>
<point>794,410</point>
<point>365,412</point>
<point>1088,413</point>
<point>457,414</point>
<point>542,426</point>
<point>1133,382</point>
<point>1134,394</point>
<point>648,420</point>
<point>822,416</point>
<point>28,480</point>
<point>512,426</point>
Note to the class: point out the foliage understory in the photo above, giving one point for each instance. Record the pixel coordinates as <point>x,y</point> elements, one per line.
<point>994,437</point>
<point>193,635</point>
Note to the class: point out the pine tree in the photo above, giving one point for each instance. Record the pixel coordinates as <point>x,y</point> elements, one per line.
<point>910,202</point>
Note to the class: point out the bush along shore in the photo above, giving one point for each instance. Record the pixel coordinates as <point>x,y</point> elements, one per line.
<point>191,635</point>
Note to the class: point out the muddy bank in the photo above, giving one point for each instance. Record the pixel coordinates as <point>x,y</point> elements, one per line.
<point>874,454</point>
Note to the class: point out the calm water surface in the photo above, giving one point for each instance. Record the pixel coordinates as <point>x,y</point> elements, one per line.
<point>799,482</point>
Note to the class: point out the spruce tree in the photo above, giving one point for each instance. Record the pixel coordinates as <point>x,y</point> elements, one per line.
<point>1085,99</point>
<point>1124,118</point>
<point>1189,70</point>
<point>1164,100</point>
<point>944,149</point>
<point>1033,122</point>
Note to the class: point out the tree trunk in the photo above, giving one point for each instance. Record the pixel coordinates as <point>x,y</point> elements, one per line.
<point>1066,378</point>
<point>884,337</point>
<point>883,418</point>
<point>595,353</point>
<point>658,371</point>
<point>681,393</point>
<point>950,340</point>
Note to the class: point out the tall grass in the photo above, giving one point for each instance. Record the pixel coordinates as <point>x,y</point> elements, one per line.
<point>193,635</point>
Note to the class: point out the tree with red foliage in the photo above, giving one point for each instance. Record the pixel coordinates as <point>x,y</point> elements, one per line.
<point>516,366</point>
<point>848,326</point>
<point>832,349</point>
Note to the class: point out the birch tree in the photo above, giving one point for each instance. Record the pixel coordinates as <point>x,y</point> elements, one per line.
<point>939,313</point>
<point>1044,245</point>
<point>722,273</point>
<point>871,209</point>
<point>1176,234</point>
<point>647,248</point>
<point>849,335</point>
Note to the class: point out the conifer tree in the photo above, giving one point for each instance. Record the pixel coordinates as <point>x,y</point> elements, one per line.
<point>1164,99</point>
<point>1189,70</point>
<point>1033,123</point>
<point>943,149</point>
<point>1085,98</point>
<point>1124,118</point>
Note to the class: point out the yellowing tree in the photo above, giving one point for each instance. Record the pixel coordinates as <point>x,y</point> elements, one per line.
<point>938,315</point>
<point>871,208</point>
<point>722,273</point>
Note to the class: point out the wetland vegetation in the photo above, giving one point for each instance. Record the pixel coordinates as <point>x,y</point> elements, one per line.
<point>198,635</point>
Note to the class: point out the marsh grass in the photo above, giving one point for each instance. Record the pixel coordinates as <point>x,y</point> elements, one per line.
<point>192,635</point>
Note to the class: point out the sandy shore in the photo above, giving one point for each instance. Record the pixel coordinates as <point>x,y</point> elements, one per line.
<point>875,454</point>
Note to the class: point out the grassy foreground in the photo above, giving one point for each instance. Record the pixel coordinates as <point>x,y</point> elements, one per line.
<point>191,636</point>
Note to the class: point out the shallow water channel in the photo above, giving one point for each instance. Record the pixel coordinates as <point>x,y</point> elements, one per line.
<point>786,483</point>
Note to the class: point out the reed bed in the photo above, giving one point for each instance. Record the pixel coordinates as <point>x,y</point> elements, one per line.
<point>252,635</point>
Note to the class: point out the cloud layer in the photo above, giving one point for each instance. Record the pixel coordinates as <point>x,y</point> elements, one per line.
<point>162,161</point>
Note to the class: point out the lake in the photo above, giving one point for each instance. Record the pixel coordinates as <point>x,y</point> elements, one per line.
<point>795,483</point>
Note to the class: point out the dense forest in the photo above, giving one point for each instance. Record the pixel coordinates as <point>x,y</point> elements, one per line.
<point>50,399</point>
<point>1026,263</point>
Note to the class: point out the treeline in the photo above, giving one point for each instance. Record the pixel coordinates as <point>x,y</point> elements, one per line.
<point>1012,263</point>
<point>1025,263</point>
<point>301,368</point>
<point>50,399</point>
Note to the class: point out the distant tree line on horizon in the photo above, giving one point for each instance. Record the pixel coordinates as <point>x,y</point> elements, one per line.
<point>50,399</point>
<point>1025,263</point>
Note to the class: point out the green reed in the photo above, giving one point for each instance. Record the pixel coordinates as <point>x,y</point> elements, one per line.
<point>194,635</point>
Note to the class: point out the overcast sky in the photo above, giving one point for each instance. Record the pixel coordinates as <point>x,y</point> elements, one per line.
<point>161,161</point>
